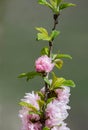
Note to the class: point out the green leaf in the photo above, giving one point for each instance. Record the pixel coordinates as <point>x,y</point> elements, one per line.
<point>55,3</point>
<point>36,112</point>
<point>58,63</point>
<point>56,82</point>
<point>47,81</point>
<point>32,74</point>
<point>45,51</point>
<point>43,34</point>
<point>69,83</point>
<point>53,56</point>
<point>54,34</point>
<point>44,2</point>
<point>46,128</point>
<point>40,94</point>
<point>22,75</point>
<point>41,103</point>
<point>60,82</point>
<point>65,5</point>
<point>29,75</point>
<point>50,99</point>
<point>52,5</point>
<point>58,2</point>
<point>25,104</point>
<point>63,56</point>
<point>42,30</point>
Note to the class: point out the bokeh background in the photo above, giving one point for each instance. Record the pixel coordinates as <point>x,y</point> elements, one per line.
<point>19,49</point>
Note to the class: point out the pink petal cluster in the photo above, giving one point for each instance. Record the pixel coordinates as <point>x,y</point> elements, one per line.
<point>63,94</point>
<point>44,64</point>
<point>61,127</point>
<point>32,99</point>
<point>30,121</point>
<point>56,111</point>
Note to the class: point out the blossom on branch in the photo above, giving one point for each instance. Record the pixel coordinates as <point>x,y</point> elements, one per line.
<point>63,94</point>
<point>56,112</point>
<point>30,121</point>
<point>44,64</point>
<point>32,98</point>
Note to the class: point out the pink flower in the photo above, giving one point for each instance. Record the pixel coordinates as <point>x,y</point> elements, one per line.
<point>63,94</point>
<point>23,114</point>
<point>26,117</point>
<point>32,99</point>
<point>56,112</point>
<point>26,121</point>
<point>35,126</point>
<point>44,64</point>
<point>61,127</point>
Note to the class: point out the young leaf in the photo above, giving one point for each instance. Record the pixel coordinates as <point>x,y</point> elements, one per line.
<point>42,30</point>
<point>52,5</point>
<point>54,34</point>
<point>65,5</point>
<point>44,2</point>
<point>46,128</point>
<point>58,63</point>
<point>60,82</point>
<point>22,75</point>
<point>32,74</point>
<point>45,51</point>
<point>56,82</point>
<point>50,99</point>
<point>69,83</point>
<point>63,56</point>
<point>53,56</point>
<point>58,2</point>
<point>43,34</point>
<point>40,94</point>
<point>25,104</point>
<point>41,103</point>
<point>47,81</point>
<point>29,75</point>
<point>36,112</point>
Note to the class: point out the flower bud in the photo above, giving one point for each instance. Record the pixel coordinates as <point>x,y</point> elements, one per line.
<point>44,64</point>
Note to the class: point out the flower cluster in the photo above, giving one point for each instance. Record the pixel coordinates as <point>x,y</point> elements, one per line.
<point>55,112</point>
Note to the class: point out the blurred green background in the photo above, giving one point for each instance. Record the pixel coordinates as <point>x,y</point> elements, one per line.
<point>19,49</point>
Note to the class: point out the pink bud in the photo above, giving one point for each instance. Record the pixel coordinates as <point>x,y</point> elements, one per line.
<point>44,64</point>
